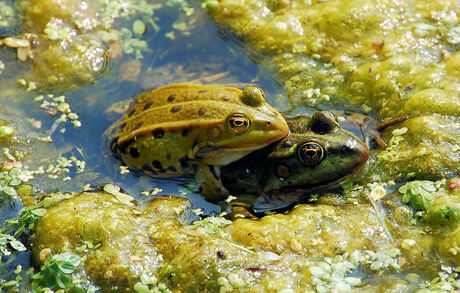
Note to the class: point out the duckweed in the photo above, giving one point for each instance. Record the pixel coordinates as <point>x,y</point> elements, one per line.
<point>7,15</point>
<point>419,194</point>
<point>6,131</point>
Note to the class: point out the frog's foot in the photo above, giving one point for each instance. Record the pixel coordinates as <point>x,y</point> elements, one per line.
<point>379,141</point>
<point>237,210</point>
<point>211,187</point>
<point>240,211</point>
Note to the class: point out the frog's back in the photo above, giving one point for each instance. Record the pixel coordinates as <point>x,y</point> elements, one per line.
<point>175,108</point>
<point>165,128</point>
<point>185,92</point>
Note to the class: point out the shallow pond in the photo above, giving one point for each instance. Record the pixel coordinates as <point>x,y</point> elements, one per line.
<point>66,81</point>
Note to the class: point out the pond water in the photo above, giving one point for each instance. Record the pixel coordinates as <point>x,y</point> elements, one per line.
<point>69,71</point>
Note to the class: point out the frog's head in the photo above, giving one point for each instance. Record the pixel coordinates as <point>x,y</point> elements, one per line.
<point>249,124</point>
<point>322,156</point>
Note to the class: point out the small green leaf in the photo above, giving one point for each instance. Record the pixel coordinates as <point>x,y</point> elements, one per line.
<point>418,194</point>
<point>138,27</point>
<point>3,241</point>
<point>74,259</point>
<point>63,281</point>
<point>50,279</point>
<point>69,257</point>
<point>49,201</point>
<point>6,131</point>
<point>11,283</point>
<point>141,288</point>
<point>54,267</point>
<point>37,276</point>
<point>112,189</point>
<point>78,289</point>
<point>67,267</point>
<point>17,245</point>
<point>39,212</point>
<point>10,191</point>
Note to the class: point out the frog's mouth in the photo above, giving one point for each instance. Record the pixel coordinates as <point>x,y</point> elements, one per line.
<point>220,156</point>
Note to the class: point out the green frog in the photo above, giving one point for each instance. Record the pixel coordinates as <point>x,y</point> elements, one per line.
<point>175,129</point>
<point>317,154</point>
<point>320,151</point>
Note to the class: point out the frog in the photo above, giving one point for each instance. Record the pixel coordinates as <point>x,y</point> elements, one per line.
<point>320,152</point>
<point>183,128</point>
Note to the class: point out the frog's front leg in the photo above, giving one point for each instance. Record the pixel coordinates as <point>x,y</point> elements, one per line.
<point>211,187</point>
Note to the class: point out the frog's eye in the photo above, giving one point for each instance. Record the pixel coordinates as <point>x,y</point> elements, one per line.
<point>310,153</point>
<point>239,123</point>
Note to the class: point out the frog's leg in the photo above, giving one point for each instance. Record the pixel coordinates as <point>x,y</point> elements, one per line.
<point>211,187</point>
<point>239,210</point>
<point>384,125</point>
<point>376,136</point>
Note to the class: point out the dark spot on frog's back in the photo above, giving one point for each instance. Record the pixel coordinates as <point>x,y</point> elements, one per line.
<point>201,111</point>
<point>157,164</point>
<point>138,125</point>
<point>176,108</point>
<point>172,169</point>
<point>158,133</point>
<point>184,162</point>
<point>202,91</point>
<point>225,98</point>
<point>171,97</point>
<point>146,106</point>
<point>131,112</point>
<point>118,128</point>
<point>134,152</point>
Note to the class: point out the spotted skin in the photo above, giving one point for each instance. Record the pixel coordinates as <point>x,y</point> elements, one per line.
<point>317,154</point>
<point>171,130</point>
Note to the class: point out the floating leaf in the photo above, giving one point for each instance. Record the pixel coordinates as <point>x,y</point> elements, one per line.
<point>17,245</point>
<point>67,267</point>
<point>69,257</point>
<point>39,212</point>
<point>111,188</point>
<point>418,194</point>
<point>63,281</point>
<point>10,191</point>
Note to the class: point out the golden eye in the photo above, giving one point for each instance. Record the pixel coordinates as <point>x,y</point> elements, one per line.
<point>239,123</point>
<point>310,153</point>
